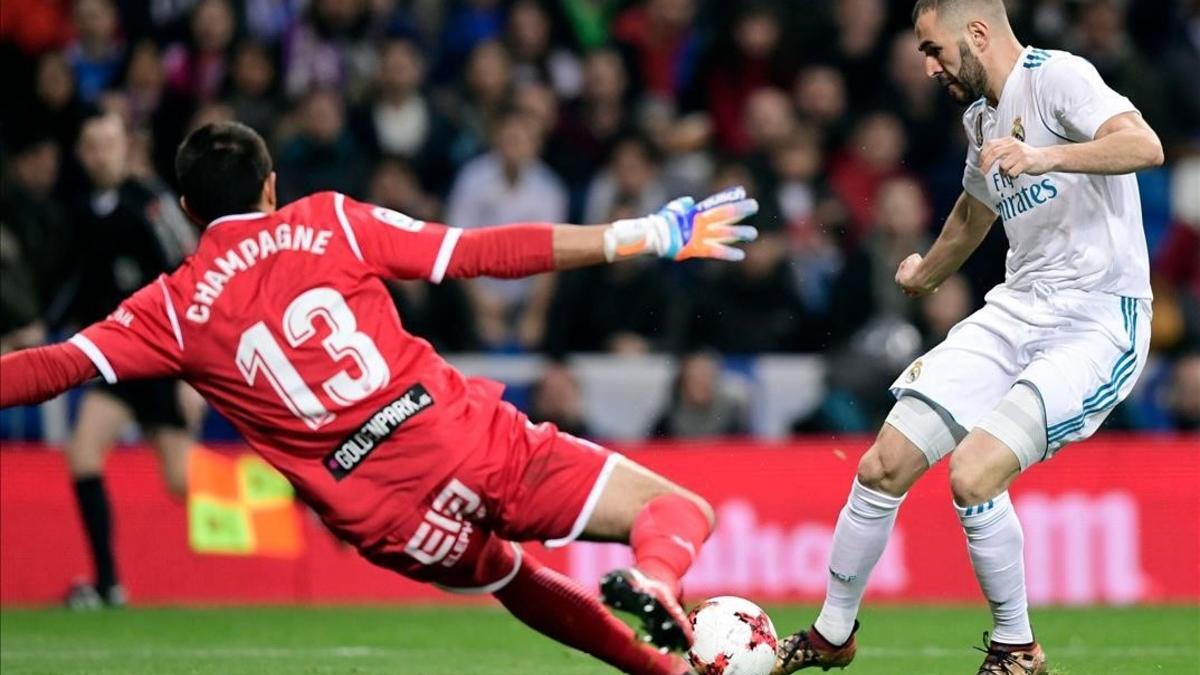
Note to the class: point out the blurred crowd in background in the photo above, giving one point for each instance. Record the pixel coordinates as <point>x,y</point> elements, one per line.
<point>476,112</point>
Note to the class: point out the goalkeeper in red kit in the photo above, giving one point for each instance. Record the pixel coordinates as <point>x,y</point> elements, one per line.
<point>282,321</point>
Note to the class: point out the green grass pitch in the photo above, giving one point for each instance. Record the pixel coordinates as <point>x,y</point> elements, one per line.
<point>485,641</point>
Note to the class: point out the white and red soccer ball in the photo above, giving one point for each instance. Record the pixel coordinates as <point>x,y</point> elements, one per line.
<point>733,636</point>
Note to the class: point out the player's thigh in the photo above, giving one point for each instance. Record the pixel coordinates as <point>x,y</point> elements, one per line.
<point>160,413</point>
<point>971,370</point>
<point>192,406</point>
<point>173,446</point>
<point>101,418</point>
<point>1085,369</point>
<point>626,493</point>
<point>559,488</point>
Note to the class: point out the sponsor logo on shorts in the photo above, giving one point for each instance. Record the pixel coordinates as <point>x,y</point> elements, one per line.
<point>353,451</point>
<point>444,535</point>
<point>914,371</point>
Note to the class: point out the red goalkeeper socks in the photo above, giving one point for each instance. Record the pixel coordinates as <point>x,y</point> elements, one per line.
<point>558,607</point>
<point>666,537</point>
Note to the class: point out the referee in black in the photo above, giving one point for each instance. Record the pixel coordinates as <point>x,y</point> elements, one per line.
<point>128,232</point>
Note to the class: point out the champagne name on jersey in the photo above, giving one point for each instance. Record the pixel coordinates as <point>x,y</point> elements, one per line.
<point>246,254</point>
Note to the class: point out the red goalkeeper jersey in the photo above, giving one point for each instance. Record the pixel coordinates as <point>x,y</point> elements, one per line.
<point>283,323</point>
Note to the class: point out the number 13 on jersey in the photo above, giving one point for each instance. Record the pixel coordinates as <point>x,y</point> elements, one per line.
<point>258,351</point>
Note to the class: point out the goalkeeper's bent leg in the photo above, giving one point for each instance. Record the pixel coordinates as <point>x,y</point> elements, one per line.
<point>664,524</point>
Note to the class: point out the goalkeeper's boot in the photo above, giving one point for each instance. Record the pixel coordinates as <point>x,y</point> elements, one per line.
<point>1002,659</point>
<point>809,649</point>
<point>654,602</point>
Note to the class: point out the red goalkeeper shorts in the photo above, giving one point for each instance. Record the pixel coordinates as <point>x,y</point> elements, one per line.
<point>529,482</point>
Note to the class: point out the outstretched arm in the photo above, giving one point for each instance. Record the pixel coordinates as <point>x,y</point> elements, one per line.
<point>681,230</point>
<point>30,376</point>
<point>966,226</point>
<point>139,340</point>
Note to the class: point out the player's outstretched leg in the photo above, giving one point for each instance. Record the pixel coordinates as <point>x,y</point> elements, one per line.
<point>560,608</point>
<point>665,525</point>
<point>1005,441</point>
<point>885,473</point>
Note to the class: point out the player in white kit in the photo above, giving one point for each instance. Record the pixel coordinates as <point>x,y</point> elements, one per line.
<point>1052,151</point>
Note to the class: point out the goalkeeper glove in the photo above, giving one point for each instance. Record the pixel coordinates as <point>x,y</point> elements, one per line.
<point>684,229</point>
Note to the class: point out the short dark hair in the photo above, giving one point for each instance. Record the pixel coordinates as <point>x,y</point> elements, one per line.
<point>994,8</point>
<point>221,168</point>
<point>921,7</point>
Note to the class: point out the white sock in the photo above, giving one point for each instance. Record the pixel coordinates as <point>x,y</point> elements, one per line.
<point>996,543</point>
<point>862,533</point>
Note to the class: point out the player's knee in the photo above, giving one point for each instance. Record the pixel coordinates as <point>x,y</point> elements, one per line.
<point>84,459</point>
<point>878,471</point>
<point>970,480</point>
<point>870,470</point>
<point>701,504</point>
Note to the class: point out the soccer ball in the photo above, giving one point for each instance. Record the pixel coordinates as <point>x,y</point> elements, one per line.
<point>733,637</point>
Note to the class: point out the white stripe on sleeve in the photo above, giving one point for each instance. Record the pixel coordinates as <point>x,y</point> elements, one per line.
<point>93,352</point>
<point>171,313</point>
<point>339,205</point>
<point>444,254</point>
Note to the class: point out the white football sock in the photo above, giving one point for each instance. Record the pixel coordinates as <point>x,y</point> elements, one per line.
<point>996,543</point>
<point>862,533</point>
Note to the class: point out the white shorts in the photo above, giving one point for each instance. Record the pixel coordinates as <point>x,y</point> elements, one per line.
<point>1081,351</point>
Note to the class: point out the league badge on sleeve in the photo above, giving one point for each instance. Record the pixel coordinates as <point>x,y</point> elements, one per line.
<point>397,220</point>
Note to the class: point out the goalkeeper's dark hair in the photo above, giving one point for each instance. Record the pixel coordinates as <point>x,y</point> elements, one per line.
<point>221,168</point>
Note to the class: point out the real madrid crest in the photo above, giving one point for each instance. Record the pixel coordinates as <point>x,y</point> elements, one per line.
<point>979,130</point>
<point>1018,129</point>
<point>914,371</point>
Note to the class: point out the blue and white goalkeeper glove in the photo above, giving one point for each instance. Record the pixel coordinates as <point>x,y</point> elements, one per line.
<point>684,229</point>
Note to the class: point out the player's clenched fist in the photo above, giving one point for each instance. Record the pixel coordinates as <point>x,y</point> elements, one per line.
<point>684,229</point>
<point>908,278</point>
<point>1015,157</point>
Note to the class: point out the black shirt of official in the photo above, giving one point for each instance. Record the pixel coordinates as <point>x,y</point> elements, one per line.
<point>126,237</point>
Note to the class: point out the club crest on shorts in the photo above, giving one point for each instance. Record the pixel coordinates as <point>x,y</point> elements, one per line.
<point>914,371</point>
<point>1018,129</point>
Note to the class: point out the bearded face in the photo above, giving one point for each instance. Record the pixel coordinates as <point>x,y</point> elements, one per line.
<point>950,60</point>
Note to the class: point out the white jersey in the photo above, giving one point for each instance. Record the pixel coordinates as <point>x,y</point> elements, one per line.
<point>1065,230</point>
